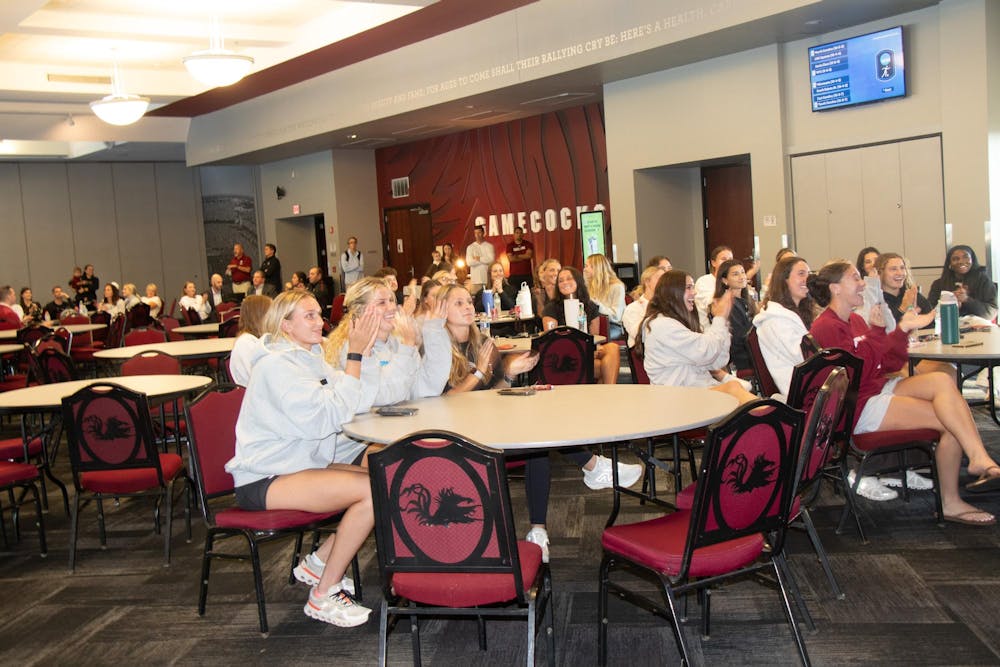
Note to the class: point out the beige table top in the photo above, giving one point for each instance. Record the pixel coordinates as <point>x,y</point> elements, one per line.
<point>511,345</point>
<point>48,397</point>
<point>972,346</point>
<point>10,347</point>
<point>11,334</point>
<point>184,349</point>
<point>210,329</point>
<point>563,416</point>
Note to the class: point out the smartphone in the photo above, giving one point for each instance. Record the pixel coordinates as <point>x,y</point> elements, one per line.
<point>414,290</point>
<point>396,411</point>
<point>517,391</point>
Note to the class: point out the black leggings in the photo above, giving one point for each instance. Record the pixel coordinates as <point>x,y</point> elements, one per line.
<point>538,474</point>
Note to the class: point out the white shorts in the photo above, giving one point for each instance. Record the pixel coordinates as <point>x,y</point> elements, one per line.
<point>876,407</point>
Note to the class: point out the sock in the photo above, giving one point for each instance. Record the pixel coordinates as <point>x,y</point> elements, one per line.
<point>316,560</point>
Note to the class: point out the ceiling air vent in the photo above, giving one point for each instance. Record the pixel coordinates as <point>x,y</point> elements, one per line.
<point>401,187</point>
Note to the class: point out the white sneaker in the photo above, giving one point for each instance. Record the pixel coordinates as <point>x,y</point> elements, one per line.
<point>600,477</point>
<point>540,537</point>
<point>336,607</point>
<point>914,482</point>
<point>310,570</point>
<point>870,488</point>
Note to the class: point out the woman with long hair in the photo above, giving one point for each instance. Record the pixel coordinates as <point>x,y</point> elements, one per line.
<point>866,262</point>
<point>152,300</point>
<point>731,277</point>
<point>113,304</point>
<point>545,290</point>
<point>252,312</point>
<point>971,283</point>
<point>190,299</point>
<point>635,311</point>
<point>286,441</point>
<point>570,285</point>
<point>428,298</point>
<point>675,351</point>
<point>499,285</point>
<point>607,291</point>
<point>928,400</point>
<point>31,308</point>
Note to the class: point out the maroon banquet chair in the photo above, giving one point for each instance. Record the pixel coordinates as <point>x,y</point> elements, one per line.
<point>446,541</point>
<point>166,426</point>
<point>21,477</point>
<point>745,492</point>
<point>566,356</point>
<point>145,337</point>
<point>113,455</point>
<point>211,421</point>
<point>766,383</point>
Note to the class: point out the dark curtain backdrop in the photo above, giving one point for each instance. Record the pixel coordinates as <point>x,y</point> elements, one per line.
<point>541,163</point>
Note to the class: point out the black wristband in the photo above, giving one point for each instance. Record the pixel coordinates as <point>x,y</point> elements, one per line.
<point>354,356</point>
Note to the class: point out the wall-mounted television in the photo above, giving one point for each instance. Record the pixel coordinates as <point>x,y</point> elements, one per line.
<point>857,70</point>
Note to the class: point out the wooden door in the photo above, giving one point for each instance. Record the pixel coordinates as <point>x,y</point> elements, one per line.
<point>408,240</point>
<point>727,203</point>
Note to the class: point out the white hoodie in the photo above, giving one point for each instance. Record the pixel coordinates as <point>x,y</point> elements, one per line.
<point>780,333</point>
<point>676,356</point>
<point>292,412</point>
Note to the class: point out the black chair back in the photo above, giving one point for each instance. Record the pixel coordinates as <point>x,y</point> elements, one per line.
<point>230,328</point>
<point>823,417</point>
<point>768,387</point>
<point>211,420</point>
<point>747,477</point>
<point>31,335</point>
<point>138,316</point>
<point>566,356</point>
<point>809,376</point>
<point>637,366</point>
<point>56,365</point>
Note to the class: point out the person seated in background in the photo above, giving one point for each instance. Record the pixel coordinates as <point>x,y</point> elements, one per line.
<point>298,281</point>
<point>476,364</point>
<point>113,304</point>
<point>32,309</point>
<point>656,261</point>
<point>259,287</point>
<point>780,255</point>
<point>675,350</point>
<point>732,278</point>
<point>570,285</point>
<point>866,262</point>
<point>545,290</point>
<point>217,295</point>
<point>60,302</point>
<point>129,296</point>
<point>929,400</point>
<point>9,308</point>
<point>247,345</point>
<point>286,440</point>
<point>153,300</point>
<point>607,291</point>
<point>437,264</point>
<point>428,302</point>
<point>190,299</point>
<point>971,283</point>
<point>320,289</point>
<point>446,277</point>
<point>498,285</point>
<point>635,311</point>
<point>705,285</point>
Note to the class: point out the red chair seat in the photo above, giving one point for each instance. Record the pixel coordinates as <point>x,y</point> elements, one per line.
<point>11,473</point>
<point>12,382</point>
<point>468,590</point>
<point>878,439</point>
<point>267,519</point>
<point>13,448</point>
<point>658,544</point>
<point>131,480</point>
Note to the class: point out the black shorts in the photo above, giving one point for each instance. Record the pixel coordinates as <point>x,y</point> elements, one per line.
<point>253,496</point>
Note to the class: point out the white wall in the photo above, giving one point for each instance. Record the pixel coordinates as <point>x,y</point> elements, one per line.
<point>357,212</point>
<point>668,212</point>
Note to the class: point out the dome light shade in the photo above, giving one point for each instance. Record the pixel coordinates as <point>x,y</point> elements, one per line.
<point>218,67</point>
<point>119,108</point>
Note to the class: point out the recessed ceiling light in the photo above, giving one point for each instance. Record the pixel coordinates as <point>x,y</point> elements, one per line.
<point>814,22</point>
<point>352,136</point>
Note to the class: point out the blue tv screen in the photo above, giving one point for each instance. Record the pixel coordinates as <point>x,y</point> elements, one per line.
<point>858,70</point>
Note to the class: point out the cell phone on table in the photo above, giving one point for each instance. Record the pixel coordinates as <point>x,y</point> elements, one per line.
<point>396,411</point>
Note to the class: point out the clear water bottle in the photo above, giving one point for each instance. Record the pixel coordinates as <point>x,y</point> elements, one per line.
<point>581,319</point>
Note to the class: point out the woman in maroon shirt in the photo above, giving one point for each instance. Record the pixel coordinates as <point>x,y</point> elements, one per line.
<point>922,401</point>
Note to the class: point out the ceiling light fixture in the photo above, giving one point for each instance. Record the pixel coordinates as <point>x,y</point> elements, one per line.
<point>217,66</point>
<point>119,108</point>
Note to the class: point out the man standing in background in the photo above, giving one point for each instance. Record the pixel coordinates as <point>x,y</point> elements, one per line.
<point>352,263</point>
<point>271,267</point>
<point>239,269</point>
<point>479,255</point>
<point>519,255</point>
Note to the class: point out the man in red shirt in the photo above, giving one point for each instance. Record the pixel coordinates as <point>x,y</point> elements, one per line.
<point>239,269</point>
<point>519,254</point>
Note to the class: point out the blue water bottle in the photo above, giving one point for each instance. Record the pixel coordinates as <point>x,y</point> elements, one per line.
<point>488,302</point>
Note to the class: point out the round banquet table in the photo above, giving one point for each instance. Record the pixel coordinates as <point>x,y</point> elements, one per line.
<point>11,334</point>
<point>554,418</point>
<point>48,397</point>
<point>198,330</point>
<point>980,349</point>
<point>204,348</point>
<point>510,345</point>
<point>7,348</point>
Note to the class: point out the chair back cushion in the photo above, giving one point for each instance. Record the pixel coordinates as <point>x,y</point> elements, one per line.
<point>55,365</point>
<point>337,309</point>
<point>108,428</point>
<point>145,337</point>
<point>211,422</point>
<point>442,507</point>
<point>637,366</point>
<point>191,316</point>
<point>33,334</point>
<point>809,375</point>
<point>138,316</point>
<point>116,332</point>
<point>768,387</point>
<point>230,328</point>
<point>747,476</point>
<point>566,356</point>
<point>821,421</point>
<point>151,363</point>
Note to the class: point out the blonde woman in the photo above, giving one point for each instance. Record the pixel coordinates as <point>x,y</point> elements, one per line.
<point>607,291</point>
<point>129,295</point>
<point>286,440</point>
<point>545,284</point>
<point>635,311</point>
<point>395,370</point>
<point>151,299</point>
<point>247,346</point>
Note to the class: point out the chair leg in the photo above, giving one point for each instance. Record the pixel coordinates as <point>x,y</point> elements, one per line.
<point>296,556</point>
<point>206,566</point>
<point>781,566</point>
<point>383,631</point>
<point>602,611</point>
<point>549,606</point>
<point>169,498</point>
<point>74,524</point>
<point>415,638</point>
<point>793,586</point>
<point>356,574</point>
<point>850,507</point>
<point>677,464</point>
<point>530,660</point>
<point>705,597</point>
<point>258,583</point>
<point>481,627</point>
<point>939,510</point>
<point>41,520</point>
<point>675,625</point>
<point>100,523</point>
<point>820,552</point>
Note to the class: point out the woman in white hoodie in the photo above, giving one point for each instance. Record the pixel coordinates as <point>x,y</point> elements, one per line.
<point>675,350</point>
<point>286,439</point>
